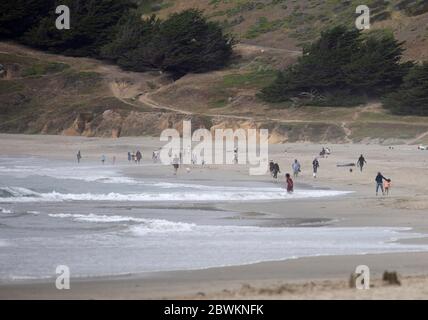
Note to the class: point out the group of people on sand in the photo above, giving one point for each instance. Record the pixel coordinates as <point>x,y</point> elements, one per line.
<point>135,156</point>
<point>274,170</point>
<point>325,152</point>
<point>382,184</point>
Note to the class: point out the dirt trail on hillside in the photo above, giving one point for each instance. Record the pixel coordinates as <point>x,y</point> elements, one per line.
<point>419,137</point>
<point>140,90</point>
<point>146,100</point>
<point>250,48</point>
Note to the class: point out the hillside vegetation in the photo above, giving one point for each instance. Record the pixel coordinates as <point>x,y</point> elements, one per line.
<point>61,93</point>
<point>291,24</point>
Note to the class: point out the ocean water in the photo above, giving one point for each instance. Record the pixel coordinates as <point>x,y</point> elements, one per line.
<point>100,222</point>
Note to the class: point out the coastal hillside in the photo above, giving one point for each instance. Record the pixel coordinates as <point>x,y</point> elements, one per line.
<point>52,93</point>
<point>291,24</point>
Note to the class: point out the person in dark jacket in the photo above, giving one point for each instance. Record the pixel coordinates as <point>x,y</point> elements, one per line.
<point>276,170</point>
<point>271,166</point>
<point>360,163</point>
<point>315,165</point>
<point>138,156</point>
<point>379,183</point>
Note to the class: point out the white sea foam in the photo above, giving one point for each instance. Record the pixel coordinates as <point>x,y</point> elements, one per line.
<point>142,226</point>
<point>138,249</point>
<point>3,210</point>
<point>244,194</point>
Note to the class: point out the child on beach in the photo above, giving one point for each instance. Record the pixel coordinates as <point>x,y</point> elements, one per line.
<point>379,183</point>
<point>290,183</point>
<point>387,186</point>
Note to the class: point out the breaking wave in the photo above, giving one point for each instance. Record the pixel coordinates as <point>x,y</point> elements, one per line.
<point>139,226</point>
<point>13,194</point>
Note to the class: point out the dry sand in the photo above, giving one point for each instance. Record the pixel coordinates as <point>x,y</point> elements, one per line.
<point>313,278</point>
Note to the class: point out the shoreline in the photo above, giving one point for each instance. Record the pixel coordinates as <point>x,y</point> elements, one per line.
<point>232,282</point>
<point>405,208</point>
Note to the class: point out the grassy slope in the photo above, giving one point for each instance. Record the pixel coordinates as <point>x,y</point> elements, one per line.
<point>289,24</point>
<point>47,93</point>
<point>261,26</point>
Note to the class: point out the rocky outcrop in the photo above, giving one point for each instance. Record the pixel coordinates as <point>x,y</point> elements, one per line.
<point>80,126</point>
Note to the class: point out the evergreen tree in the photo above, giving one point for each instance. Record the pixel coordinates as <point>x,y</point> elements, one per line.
<point>192,44</point>
<point>412,97</point>
<point>342,68</point>
<point>185,42</point>
<point>375,67</point>
<point>93,24</point>
<point>132,48</point>
<point>17,16</point>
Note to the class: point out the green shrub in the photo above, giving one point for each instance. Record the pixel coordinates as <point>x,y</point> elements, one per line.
<point>412,96</point>
<point>341,67</point>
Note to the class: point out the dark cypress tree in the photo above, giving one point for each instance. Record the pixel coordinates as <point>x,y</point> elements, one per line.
<point>412,97</point>
<point>192,44</point>
<point>93,24</point>
<point>280,89</point>
<point>342,68</point>
<point>133,48</point>
<point>185,42</point>
<point>17,16</point>
<point>319,69</point>
<point>375,68</point>
<point>321,65</point>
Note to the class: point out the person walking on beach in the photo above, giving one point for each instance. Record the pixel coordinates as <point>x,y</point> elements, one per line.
<point>175,164</point>
<point>296,168</point>
<point>387,186</point>
<point>315,165</point>
<point>361,161</point>
<point>79,156</point>
<point>275,171</point>
<point>103,159</point>
<point>379,183</point>
<point>129,156</point>
<point>138,156</point>
<point>271,165</point>
<point>290,183</point>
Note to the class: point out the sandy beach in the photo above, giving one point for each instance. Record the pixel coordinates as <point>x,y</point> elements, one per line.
<point>322,277</point>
